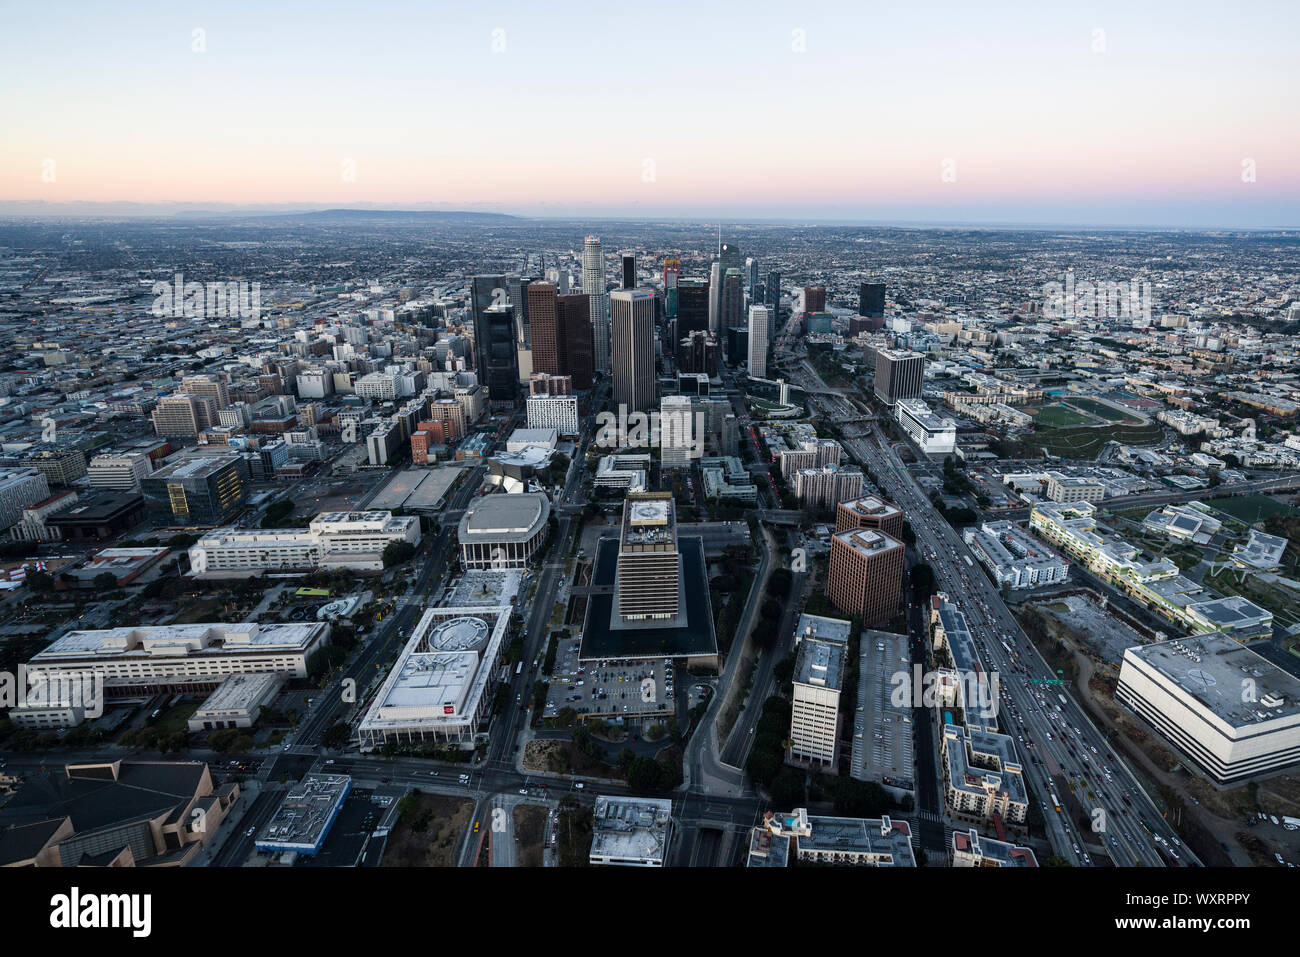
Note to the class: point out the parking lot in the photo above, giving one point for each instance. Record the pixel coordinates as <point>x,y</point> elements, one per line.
<point>631,689</point>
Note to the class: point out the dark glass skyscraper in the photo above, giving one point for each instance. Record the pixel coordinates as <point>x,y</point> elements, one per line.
<point>871,299</point>
<point>629,270</point>
<point>495,337</point>
<point>574,331</point>
<point>692,306</point>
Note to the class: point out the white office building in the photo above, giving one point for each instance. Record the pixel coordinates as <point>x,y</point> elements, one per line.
<point>152,658</point>
<point>818,680</point>
<point>351,540</point>
<point>1014,557</point>
<point>935,434</point>
<point>760,335</point>
<point>558,412</point>
<point>1233,712</point>
<point>122,471</point>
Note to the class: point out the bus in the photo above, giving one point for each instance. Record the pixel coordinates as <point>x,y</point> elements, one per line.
<point>1055,803</point>
<point>968,561</point>
<point>519,668</point>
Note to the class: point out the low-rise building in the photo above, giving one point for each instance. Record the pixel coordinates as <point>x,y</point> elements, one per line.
<point>631,831</point>
<point>1014,557</point>
<point>842,841</point>
<point>1234,713</point>
<point>351,540</point>
<point>971,849</point>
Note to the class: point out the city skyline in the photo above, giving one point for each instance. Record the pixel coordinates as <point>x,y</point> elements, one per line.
<point>1173,116</point>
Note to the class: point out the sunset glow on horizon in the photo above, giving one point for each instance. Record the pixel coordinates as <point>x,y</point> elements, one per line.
<point>1182,112</point>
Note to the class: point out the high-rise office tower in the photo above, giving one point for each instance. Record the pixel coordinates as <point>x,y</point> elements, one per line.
<point>500,373</point>
<point>899,375</point>
<point>733,299</point>
<point>698,352</point>
<point>593,267</point>
<point>814,712</point>
<point>692,306</point>
<point>760,331</point>
<point>814,299</point>
<point>715,299</point>
<point>871,299</point>
<point>575,338</point>
<point>672,273</point>
<point>632,334</point>
<point>545,328</point>
<point>751,281</point>
<point>729,256</point>
<point>648,579</point>
<point>594,285</point>
<point>517,296</point>
<point>772,294</point>
<point>629,270</point>
<point>865,574</point>
<point>487,291</point>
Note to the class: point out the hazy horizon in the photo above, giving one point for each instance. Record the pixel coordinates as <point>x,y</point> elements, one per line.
<point>1172,116</point>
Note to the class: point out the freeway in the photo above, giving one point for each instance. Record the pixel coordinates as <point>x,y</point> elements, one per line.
<point>1064,753</point>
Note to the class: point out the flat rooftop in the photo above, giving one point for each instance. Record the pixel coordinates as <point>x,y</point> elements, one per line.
<point>882,732</point>
<point>305,814</point>
<point>505,517</point>
<point>871,506</point>
<point>1211,668</point>
<point>155,641</point>
<point>692,640</point>
<point>868,541</point>
<point>821,626</point>
<point>634,829</point>
<point>820,663</point>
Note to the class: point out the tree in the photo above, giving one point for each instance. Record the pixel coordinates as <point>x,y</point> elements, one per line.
<point>104,581</point>
<point>397,553</point>
<point>787,789</point>
<point>41,582</point>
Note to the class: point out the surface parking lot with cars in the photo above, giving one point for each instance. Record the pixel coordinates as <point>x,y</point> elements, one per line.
<point>632,689</point>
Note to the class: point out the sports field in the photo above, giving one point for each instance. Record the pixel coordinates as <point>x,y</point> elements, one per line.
<point>1060,417</point>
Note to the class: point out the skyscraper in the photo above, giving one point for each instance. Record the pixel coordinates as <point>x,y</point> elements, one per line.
<point>672,272</point>
<point>751,281</point>
<point>772,294</point>
<point>500,373</point>
<point>760,331</point>
<point>871,299</point>
<point>899,375</point>
<point>594,285</point>
<point>545,329</point>
<point>814,299</point>
<point>495,350</point>
<point>517,296</point>
<point>593,267</point>
<point>575,339</point>
<point>692,306</point>
<point>715,299</point>
<point>629,270</point>
<point>733,299</point>
<point>632,334</point>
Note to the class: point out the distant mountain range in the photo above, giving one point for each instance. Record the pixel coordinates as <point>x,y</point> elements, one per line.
<point>194,211</point>
<point>395,215</point>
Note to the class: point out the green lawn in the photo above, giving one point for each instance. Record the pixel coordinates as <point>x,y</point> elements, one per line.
<point>1107,412</point>
<point>1085,443</point>
<point>173,719</point>
<point>1250,508</point>
<point>1058,416</point>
